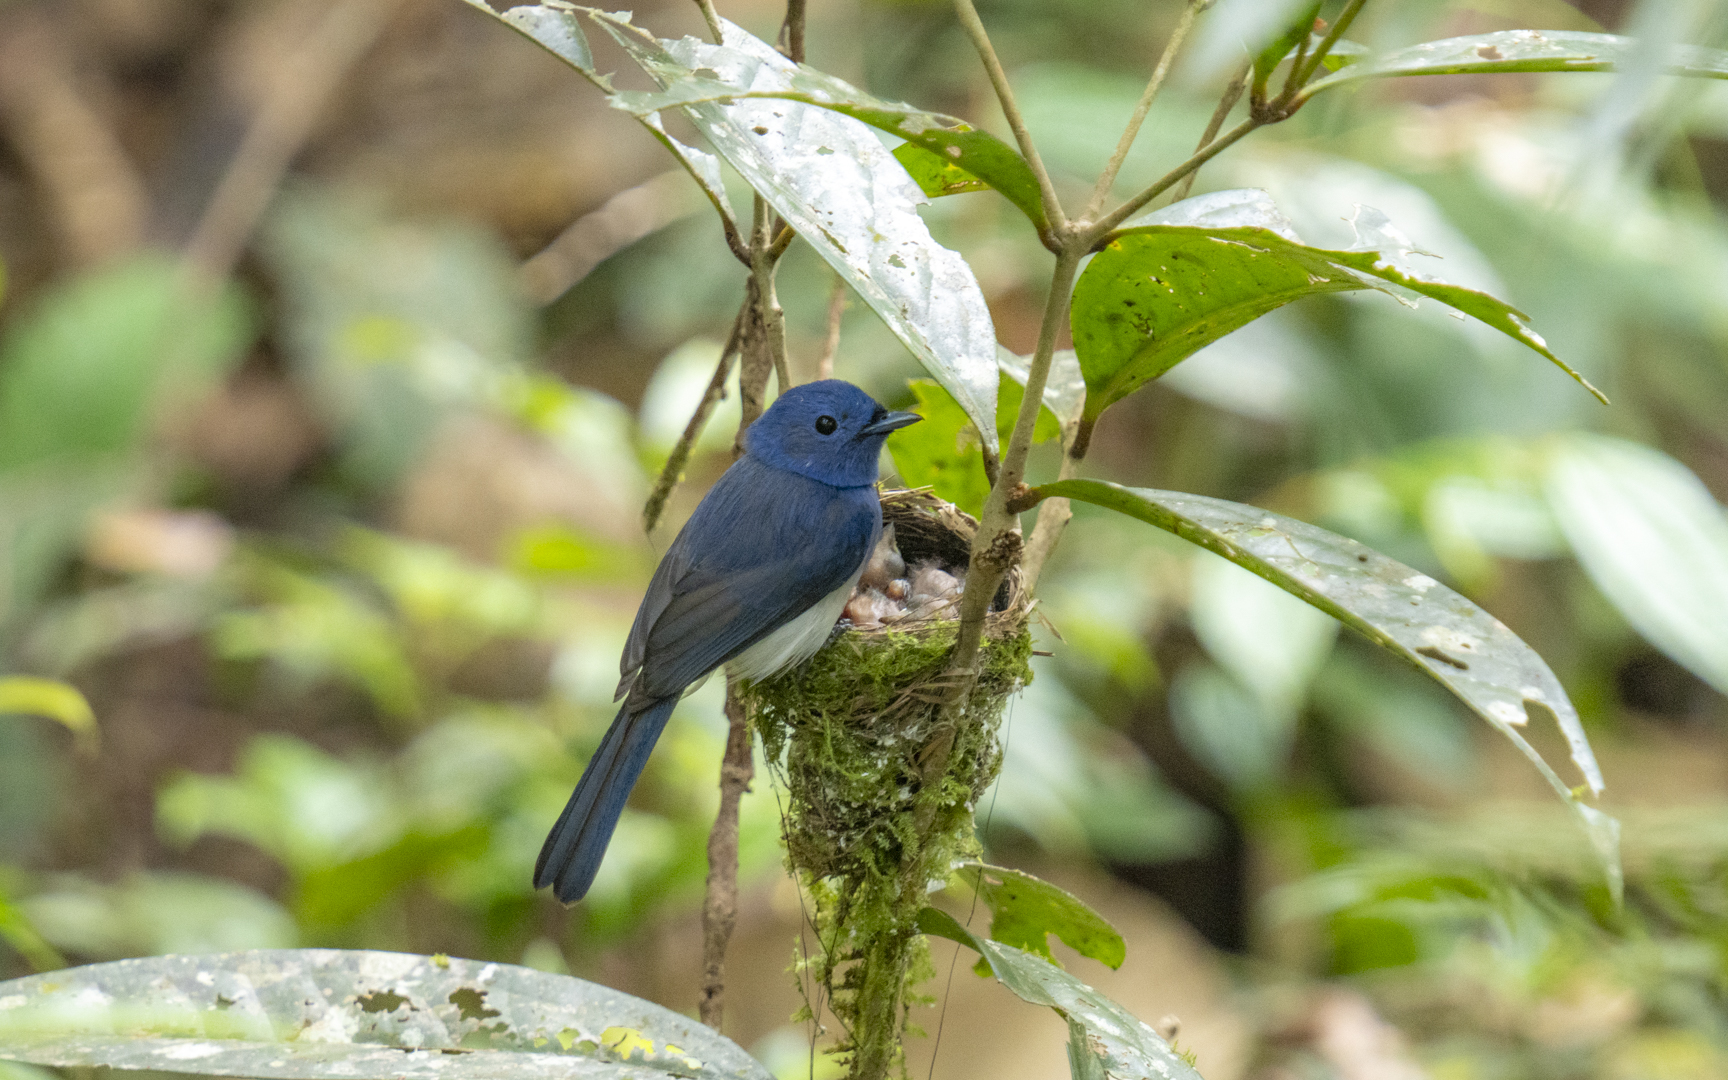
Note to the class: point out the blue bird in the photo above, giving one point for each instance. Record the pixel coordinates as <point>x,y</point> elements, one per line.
<point>755,580</point>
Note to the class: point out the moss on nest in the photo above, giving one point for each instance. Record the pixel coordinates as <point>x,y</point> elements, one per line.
<point>858,733</point>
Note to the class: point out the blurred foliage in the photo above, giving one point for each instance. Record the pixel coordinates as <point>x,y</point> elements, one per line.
<point>344,554</point>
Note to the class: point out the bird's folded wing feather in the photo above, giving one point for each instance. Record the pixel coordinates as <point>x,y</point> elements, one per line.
<point>764,547</point>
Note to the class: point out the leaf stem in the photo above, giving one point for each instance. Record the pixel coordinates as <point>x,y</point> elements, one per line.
<point>712,18</point>
<point>974,27</point>
<point>1171,178</point>
<point>1142,107</point>
<point>1232,94</point>
<point>795,30</point>
<point>1336,31</point>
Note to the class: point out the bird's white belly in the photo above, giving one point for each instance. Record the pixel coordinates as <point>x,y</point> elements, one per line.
<point>797,641</point>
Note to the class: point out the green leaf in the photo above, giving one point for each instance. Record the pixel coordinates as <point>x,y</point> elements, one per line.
<point>53,700</point>
<point>941,451</point>
<point>1064,386</point>
<point>317,1013</point>
<point>1026,910</point>
<point>81,373</point>
<point>806,152</point>
<point>1411,615</point>
<point>559,32</point>
<point>1521,50</point>
<point>1085,1059</point>
<point>161,911</point>
<point>1654,540</point>
<point>1300,27</point>
<point>1203,267</point>
<point>18,931</point>
<point>1127,1045</point>
<point>934,174</point>
<point>953,142</point>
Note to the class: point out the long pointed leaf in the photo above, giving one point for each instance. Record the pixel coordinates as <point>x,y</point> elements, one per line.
<point>980,154</point>
<point>1465,649</point>
<point>1204,267</point>
<point>1520,50</point>
<point>559,32</point>
<point>314,1014</point>
<point>846,195</point>
<point>1125,1045</point>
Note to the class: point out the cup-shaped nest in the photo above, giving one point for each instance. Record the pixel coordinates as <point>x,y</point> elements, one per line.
<point>870,732</point>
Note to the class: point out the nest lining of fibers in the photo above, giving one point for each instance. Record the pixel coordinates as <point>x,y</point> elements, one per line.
<point>858,732</point>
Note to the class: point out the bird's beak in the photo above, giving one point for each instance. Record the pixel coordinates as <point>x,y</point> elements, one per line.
<point>894,421</point>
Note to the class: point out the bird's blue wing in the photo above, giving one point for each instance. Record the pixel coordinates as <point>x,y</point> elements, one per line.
<point>762,548</point>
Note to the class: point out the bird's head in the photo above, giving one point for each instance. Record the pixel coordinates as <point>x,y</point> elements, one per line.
<point>830,431</point>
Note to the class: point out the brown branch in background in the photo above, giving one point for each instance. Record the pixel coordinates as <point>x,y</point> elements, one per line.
<point>793,29</point>
<point>831,339</point>
<point>720,900</point>
<point>92,190</point>
<point>595,237</point>
<point>680,457</point>
<point>281,127</point>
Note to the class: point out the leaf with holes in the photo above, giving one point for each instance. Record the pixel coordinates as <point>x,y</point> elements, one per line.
<point>1025,910</point>
<point>1411,615</point>
<point>846,195</point>
<point>558,30</point>
<point>302,1014</point>
<point>1123,1044</point>
<point>1190,274</point>
<point>934,174</point>
<point>957,146</point>
<point>1522,50</point>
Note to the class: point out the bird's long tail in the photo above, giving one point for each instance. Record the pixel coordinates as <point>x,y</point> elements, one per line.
<point>574,847</point>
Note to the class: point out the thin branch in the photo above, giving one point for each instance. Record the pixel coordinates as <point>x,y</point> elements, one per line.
<point>1142,107</point>
<point>996,546</point>
<point>712,18</point>
<point>1232,94</point>
<point>283,124</point>
<point>598,235</point>
<point>974,27</point>
<point>93,191</point>
<point>1292,77</point>
<point>1339,25</point>
<point>794,27</point>
<point>1053,516</point>
<point>1171,178</point>
<point>720,900</point>
<point>680,457</point>
<point>831,340</point>
<point>770,317</point>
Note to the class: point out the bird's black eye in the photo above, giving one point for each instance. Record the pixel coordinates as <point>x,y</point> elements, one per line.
<point>825,425</point>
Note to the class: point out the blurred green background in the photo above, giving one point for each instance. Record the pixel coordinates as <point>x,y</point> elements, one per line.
<point>343,546</point>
